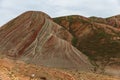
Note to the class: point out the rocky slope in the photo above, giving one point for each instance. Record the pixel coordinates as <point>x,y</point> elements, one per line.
<point>96,37</point>
<point>18,70</point>
<point>33,37</point>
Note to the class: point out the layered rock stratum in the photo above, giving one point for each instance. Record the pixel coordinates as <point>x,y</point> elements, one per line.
<point>98,38</point>
<point>73,43</point>
<point>33,37</point>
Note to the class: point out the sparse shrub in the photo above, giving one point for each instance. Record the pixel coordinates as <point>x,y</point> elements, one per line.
<point>74,41</point>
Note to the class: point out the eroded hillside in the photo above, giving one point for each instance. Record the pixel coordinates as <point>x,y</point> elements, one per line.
<point>96,37</point>
<point>33,37</point>
<point>38,46</point>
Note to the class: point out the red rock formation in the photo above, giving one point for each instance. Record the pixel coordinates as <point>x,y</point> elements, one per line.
<point>114,21</point>
<point>96,38</point>
<point>35,38</point>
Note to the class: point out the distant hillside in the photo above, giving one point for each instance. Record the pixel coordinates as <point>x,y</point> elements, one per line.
<point>112,21</point>
<point>95,37</point>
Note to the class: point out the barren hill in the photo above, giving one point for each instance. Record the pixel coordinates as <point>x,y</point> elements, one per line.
<point>69,42</point>
<point>97,38</point>
<point>33,37</point>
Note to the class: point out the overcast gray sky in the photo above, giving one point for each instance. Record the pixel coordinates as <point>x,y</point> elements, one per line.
<point>9,9</point>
